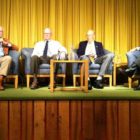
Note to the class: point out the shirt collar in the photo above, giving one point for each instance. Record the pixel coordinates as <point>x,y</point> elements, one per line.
<point>91,42</point>
<point>48,40</point>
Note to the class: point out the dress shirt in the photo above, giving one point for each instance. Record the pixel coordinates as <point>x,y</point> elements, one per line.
<point>54,47</point>
<point>90,49</point>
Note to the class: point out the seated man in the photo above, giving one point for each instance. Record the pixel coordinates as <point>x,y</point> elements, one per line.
<point>5,59</point>
<point>134,68</point>
<point>43,52</point>
<point>94,52</point>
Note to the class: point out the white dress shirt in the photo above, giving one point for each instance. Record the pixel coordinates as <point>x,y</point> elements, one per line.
<point>90,49</point>
<point>53,48</point>
<point>1,50</point>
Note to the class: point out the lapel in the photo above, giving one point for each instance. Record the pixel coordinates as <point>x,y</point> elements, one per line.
<point>85,45</point>
<point>96,46</point>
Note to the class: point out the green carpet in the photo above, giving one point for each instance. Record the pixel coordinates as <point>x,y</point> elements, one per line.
<point>43,93</point>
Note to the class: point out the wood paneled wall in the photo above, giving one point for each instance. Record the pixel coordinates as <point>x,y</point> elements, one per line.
<point>69,120</point>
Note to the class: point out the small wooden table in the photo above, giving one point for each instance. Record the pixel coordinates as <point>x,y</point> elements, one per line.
<point>83,75</point>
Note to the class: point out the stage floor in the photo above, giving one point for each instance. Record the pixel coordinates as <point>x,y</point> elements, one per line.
<point>107,93</point>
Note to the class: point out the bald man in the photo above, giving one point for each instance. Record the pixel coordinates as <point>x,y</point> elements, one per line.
<point>93,51</point>
<point>5,59</point>
<point>43,52</point>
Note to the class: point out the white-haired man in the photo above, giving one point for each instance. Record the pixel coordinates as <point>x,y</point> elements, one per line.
<point>94,52</point>
<point>43,52</point>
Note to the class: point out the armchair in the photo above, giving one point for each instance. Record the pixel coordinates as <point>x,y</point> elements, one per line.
<point>93,69</point>
<point>44,69</point>
<point>14,69</point>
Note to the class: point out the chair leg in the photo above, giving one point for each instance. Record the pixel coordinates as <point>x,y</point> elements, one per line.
<point>130,82</point>
<point>110,81</point>
<point>16,81</point>
<point>28,81</point>
<point>74,80</point>
<point>64,81</point>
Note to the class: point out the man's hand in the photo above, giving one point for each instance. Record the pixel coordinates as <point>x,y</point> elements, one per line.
<point>5,42</point>
<point>93,55</point>
<point>138,48</point>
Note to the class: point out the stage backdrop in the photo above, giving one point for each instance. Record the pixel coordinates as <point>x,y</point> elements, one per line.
<point>116,22</point>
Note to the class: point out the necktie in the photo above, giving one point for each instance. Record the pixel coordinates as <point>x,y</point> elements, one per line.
<point>46,49</point>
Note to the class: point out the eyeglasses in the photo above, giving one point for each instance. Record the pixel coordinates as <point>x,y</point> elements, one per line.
<point>47,33</point>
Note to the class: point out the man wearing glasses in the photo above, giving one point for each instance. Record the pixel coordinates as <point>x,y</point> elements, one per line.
<point>43,52</point>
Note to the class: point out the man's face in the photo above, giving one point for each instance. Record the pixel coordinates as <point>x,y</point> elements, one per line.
<point>47,36</point>
<point>90,36</point>
<point>1,32</point>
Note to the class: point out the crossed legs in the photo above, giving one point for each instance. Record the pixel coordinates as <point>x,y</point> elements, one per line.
<point>104,61</point>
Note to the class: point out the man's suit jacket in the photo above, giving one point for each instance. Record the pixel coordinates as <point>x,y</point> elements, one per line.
<point>98,47</point>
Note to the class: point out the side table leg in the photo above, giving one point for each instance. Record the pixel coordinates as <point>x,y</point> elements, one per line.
<point>86,75</point>
<point>51,76</point>
<point>114,74</point>
<point>81,75</point>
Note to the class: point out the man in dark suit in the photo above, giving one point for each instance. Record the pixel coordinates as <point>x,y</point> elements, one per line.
<point>94,52</point>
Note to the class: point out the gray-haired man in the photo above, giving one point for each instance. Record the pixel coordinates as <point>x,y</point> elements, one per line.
<point>43,52</point>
